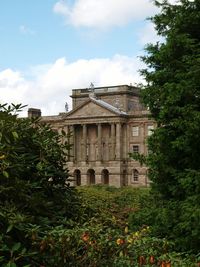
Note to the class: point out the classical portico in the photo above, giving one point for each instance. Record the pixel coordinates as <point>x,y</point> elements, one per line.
<point>96,141</point>
<point>103,128</point>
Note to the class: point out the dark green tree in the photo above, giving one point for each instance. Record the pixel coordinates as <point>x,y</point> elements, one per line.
<point>34,193</point>
<point>172,94</point>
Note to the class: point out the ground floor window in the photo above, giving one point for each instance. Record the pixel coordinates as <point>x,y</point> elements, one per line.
<point>77,177</point>
<point>105,177</point>
<point>91,177</point>
<point>135,175</point>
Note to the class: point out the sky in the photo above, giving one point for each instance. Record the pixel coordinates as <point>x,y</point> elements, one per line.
<point>49,47</point>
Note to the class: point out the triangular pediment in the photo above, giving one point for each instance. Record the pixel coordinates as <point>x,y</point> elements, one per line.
<point>91,109</point>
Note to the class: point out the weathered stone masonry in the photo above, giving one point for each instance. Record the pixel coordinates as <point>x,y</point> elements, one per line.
<point>106,124</point>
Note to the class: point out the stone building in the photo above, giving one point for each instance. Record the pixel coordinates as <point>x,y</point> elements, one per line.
<point>106,124</point>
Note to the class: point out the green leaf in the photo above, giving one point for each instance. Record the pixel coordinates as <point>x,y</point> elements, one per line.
<point>5,174</point>
<point>2,258</point>
<point>11,264</point>
<point>10,227</point>
<point>15,135</point>
<point>16,246</point>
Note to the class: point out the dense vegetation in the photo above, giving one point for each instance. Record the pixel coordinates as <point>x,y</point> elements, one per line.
<point>44,222</point>
<point>172,94</point>
<point>34,196</point>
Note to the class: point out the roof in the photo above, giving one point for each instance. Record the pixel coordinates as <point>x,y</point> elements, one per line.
<point>108,106</point>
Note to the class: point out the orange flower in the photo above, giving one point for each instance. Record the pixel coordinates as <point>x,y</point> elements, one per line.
<point>151,259</point>
<point>142,260</point>
<point>120,241</point>
<point>165,264</point>
<point>85,237</point>
<point>168,264</point>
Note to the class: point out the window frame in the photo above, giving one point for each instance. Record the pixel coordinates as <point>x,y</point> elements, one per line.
<point>137,150</point>
<point>135,176</point>
<point>135,131</point>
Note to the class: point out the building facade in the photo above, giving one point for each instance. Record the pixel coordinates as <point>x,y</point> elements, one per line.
<point>106,124</point>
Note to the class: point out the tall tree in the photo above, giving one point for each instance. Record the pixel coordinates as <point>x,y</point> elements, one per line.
<point>172,95</point>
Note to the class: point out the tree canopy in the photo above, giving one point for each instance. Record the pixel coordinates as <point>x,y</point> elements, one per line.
<point>172,94</point>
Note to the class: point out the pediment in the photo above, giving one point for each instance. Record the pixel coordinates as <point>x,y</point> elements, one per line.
<point>90,109</point>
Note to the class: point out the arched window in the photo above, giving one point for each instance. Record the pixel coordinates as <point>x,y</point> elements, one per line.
<point>135,175</point>
<point>77,177</point>
<point>105,177</point>
<point>90,177</point>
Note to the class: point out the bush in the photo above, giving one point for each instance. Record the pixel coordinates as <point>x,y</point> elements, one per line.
<point>34,196</point>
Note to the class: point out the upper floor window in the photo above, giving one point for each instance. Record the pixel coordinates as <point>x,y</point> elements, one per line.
<point>135,131</point>
<point>150,129</point>
<point>135,148</point>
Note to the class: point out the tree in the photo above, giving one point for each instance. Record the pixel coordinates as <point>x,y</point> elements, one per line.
<point>172,95</point>
<point>34,195</point>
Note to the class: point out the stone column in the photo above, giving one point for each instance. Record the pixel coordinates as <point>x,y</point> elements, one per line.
<point>125,151</point>
<point>84,142</point>
<point>99,142</point>
<point>113,141</point>
<point>67,139</point>
<point>118,141</point>
<point>72,142</point>
<point>66,129</point>
<point>142,138</point>
<point>128,140</point>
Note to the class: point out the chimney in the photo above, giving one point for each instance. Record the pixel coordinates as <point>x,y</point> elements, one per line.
<point>34,113</point>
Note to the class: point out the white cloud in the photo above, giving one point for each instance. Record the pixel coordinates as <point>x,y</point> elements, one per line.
<point>25,30</point>
<point>148,34</point>
<point>13,87</point>
<point>105,13</point>
<point>51,88</point>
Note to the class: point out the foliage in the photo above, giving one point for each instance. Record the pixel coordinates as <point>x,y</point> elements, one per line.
<point>172,95</point>
<point>104,237</point>
<point>34,196</point>
<point>44,222</point>
<point>109,201</point>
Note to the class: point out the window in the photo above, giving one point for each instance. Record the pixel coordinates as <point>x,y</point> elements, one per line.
<point>135,131</point>
<point>135,149</point>
<point>150,129</point>
<point>135,176</point>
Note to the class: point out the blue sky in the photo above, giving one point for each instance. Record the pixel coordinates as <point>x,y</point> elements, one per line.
<point>49,47</point>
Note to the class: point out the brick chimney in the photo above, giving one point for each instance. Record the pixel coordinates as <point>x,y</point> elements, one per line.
<point>34,113</point>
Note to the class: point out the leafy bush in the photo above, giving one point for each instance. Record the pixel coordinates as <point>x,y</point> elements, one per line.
<point>34,196</point>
